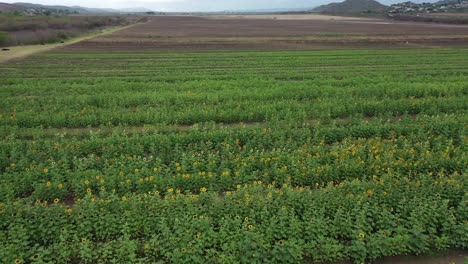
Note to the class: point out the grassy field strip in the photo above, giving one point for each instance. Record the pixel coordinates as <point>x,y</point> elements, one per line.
<point>16,52</point>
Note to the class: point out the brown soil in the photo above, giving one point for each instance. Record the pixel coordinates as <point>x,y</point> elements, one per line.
<point>187,26</point>
<point>165,33</point>
<point>451,257</point>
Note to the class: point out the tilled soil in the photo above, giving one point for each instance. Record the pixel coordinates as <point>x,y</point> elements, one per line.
<point>165,33</point>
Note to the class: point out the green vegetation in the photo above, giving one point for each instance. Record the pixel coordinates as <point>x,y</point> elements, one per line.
<point>226,157</point>
<point>3,38</point>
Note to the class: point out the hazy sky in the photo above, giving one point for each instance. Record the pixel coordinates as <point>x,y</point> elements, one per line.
<point>192,5</point>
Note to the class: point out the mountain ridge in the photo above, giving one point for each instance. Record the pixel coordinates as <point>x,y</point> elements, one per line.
<point>351,6</point>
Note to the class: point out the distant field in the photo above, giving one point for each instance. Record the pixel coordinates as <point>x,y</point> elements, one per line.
<point>185,33</point>
<point>290,17</point>
<point>129,152</point>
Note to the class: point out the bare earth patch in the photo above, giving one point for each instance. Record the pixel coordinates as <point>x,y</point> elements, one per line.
<point>264,32</point>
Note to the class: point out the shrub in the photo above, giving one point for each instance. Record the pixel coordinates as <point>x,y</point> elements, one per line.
<point>3,38</point>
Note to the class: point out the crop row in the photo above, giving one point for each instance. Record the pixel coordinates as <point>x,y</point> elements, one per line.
<point>301,155</point>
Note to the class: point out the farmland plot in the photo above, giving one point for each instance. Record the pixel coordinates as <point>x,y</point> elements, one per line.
<point>226,157</point>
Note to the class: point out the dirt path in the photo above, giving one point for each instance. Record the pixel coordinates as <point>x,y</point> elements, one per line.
<point>15,52</point>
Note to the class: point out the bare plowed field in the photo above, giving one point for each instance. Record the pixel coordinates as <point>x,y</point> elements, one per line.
<point>274,32</point>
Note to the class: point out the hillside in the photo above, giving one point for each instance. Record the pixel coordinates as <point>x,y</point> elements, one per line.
<point>84,10</point>
<point>37,9</point>
<point>8,8</point>
<point>351,6</point>
<point>447,2</point>
<point>52,7</point>
<point>445,6</point>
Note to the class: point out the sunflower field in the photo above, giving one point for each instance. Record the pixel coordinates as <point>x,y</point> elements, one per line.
<point>233,157</point>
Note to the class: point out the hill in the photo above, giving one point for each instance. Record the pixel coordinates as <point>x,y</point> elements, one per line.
<point>445,6</point>
<point>50,7</point>
<point>85,10</point>
<point>447,2</point>
<point>37,9</point>
<point>9,8</point>
<point>351,6</point>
